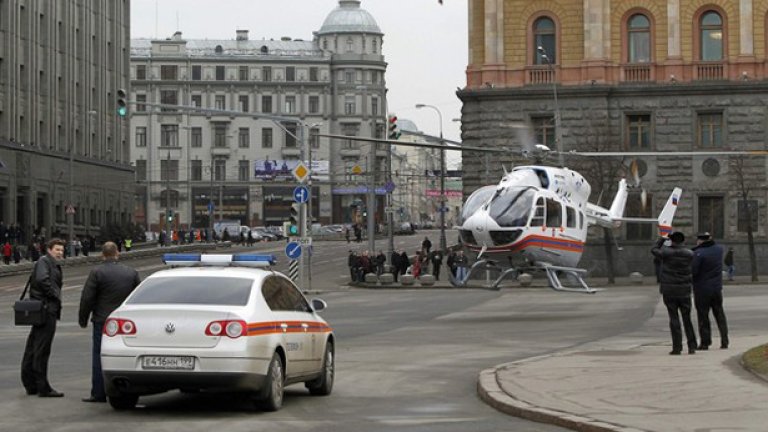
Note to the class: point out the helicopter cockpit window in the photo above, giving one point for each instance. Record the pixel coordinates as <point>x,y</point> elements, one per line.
<point>543,178</point>
<point>511,206</point>
<point>554,214</point>
<point>570,217</point>
<point>476,200</point>
<point>539,212</point>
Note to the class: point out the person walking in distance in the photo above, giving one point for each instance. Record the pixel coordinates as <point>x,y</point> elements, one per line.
<point>675,287</point>
<point>46,287</point>
<point>106,288</point>
<point>731,268</point>
<point>707,271</point>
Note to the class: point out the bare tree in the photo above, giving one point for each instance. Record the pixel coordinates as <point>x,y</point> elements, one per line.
<point>742,168</point>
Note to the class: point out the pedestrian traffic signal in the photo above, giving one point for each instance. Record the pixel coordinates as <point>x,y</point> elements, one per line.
<point>294,229</point>
<point>169,216</point>
<point>122,103</point>
<point>394,132</point>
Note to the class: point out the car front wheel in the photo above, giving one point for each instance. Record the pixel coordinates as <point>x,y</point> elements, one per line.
<point>323,385</point>
<point>272,395</point>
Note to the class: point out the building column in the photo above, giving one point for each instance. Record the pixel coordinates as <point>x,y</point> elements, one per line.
<point>597,39</point>
<point>746,24</point>
<point>493,65</point>
<point>673,29</point>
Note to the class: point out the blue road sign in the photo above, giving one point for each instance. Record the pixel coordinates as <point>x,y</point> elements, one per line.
<point>211,206</point>
<point>301,194</point>
<point>293,250</point>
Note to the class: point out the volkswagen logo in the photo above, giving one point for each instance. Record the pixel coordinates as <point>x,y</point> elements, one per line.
<point>170,328</point>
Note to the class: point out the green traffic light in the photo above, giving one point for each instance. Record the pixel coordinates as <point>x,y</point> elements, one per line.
<point>293,230</point>
<point>122,111</point>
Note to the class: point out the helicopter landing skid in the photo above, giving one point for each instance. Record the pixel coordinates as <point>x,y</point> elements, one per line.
<point>554,279</point>
<point>550,270</point>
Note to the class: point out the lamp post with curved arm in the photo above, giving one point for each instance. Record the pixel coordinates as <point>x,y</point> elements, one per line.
<point>443,242</point>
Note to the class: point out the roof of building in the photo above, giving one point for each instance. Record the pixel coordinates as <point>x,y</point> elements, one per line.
<point>349,18</point>
<point>232,48</point>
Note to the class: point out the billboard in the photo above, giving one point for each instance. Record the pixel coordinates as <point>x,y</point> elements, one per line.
<point>281,170</point>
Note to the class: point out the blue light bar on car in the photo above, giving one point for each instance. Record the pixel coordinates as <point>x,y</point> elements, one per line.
<point>220,260</point>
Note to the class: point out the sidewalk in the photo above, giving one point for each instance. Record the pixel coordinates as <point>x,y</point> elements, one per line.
<point>632,384</point>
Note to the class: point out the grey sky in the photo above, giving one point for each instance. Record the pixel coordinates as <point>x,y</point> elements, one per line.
<point>425,44</point>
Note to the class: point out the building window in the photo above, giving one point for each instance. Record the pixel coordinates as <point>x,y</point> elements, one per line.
<point>141,170</point>
<point>242,100</point>
<point>244,138</point>
<point>242,170</point>
<point>242,73</point>
<point>544,36</point>
<point>712,215</point>
<point>313,74</point>
<point>350,44</point>
<point>169,72</point>
<point>197,170</point>
<point>639,38</point>
<point>141,136</point>
<point>169,97</point>
<point>349,105</point>
<point>164,198</point>
<point>169,135</point>
<point>314,138</point>
<point>638,134</point>
<point>220,135</point>
<point>266,138</point>
<point>266,73</point>
<point>197,72</point>
<point>220,73</point>
<point>349,77</point>
<point>290,104</point>
<point>266,104</point>
<point>635,208</point>
<point>169,169</point>
<point>197,100</point>
<point>290,135</point>
<point>141,72</point>
<point>544,130</point>
<point>711,34</point>
<point>140,107</point>
<point>374,77</point>
<point>197,137</point>
<point>710,130</point>
<point>314,104</point>
<point>748,211</point>
<point>219,169</point>
<point>290,73</point>
<point>220,102</point>
<point>374,106</point>
<point>375,45</point>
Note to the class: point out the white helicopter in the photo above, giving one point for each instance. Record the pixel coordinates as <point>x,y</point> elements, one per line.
<point>536,219</point>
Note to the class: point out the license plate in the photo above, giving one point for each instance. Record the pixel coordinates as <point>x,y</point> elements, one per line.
<point>168,362</point>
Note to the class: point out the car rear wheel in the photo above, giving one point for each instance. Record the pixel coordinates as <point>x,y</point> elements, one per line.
<point>272,395</point>
<point>323,385</point>
<point>124,401</point>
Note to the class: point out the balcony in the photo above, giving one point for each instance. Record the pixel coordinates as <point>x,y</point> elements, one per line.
<point>350,152</point>
<point>709,71</point>
<point>291,152</point>
<point>220,151</point>
<point>636,73</point>
<point>540,75</point>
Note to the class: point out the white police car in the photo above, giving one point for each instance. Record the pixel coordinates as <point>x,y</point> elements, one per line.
<point>215,323</point>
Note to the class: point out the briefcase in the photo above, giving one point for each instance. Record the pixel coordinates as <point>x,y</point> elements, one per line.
<point>28,311</point>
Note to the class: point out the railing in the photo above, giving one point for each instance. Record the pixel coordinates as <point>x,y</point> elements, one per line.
<point>541,75</point>
<point>636,73</point>
<point>710,71</point>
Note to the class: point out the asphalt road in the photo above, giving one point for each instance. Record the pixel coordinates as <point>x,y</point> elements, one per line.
<point>407,360</point>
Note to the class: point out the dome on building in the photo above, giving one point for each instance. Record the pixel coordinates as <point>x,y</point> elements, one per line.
<point>349,18</point>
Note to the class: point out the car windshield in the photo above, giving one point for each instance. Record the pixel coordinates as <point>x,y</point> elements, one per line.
<point>477,199</point>
<point>511,206</point>
<point>196,290</point>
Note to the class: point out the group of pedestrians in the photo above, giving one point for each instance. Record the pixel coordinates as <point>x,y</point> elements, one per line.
<point>106,287</point>
<point>697,271</point>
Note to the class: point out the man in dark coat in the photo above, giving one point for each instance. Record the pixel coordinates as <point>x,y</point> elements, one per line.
<point>675,287</point>
<point>105,289</point>
<point>352,262</point>
<point>426,246</point>
<point>437,261</point>
<point>707,271</point>
<point>394,263</point>
<point>45,286</point>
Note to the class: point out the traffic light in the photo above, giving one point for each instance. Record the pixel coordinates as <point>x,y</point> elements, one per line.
<point>122,103</point>
<point>394,132</point>
<point>169,216</point>
<point>294,227</point>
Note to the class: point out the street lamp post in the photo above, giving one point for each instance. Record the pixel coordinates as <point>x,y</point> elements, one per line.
<point>558,130</point>
<point>443,242</point>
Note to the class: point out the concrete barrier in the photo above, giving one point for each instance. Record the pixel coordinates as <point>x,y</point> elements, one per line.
<point>371,278</point>
<point>406,280</point>
<point>525,279</point>
<point>427,280</point>
<point>386,279</point>
<point>636,278</point>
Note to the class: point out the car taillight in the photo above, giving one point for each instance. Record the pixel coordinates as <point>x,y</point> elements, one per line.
<point>116,326</point>
<point>230,328</point>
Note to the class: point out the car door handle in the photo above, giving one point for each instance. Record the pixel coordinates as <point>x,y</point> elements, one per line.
<point>284,326</point>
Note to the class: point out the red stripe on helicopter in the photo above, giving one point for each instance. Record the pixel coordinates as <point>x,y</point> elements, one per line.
<point>539,241</point>
<point>665,230</point>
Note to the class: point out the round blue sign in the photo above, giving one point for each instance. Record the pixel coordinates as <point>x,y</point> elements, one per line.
<point>293,250</point>
<point>301,194</point>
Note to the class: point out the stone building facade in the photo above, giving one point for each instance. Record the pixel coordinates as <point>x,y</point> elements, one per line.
<point>61,142</point>
<point>241,160</point>
<point>677,75</point>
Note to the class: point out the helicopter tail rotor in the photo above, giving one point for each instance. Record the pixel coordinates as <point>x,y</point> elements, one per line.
<point>634,169</point>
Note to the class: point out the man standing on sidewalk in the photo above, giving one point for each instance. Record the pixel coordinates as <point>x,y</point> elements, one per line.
<point>675,287</point>
<point>707,270</point>
<point>105,289</point>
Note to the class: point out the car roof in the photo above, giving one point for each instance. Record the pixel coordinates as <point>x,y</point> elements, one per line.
<point>255,274</point>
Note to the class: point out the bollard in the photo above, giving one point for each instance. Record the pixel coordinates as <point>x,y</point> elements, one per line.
<point>406,280</point>
<point>525,279</point>
<point>636,278</point>
<point>427,280</point>
<point>386,279</point>
<point>371,278</point>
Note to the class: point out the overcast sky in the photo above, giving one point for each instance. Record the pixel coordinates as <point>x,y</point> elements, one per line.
<point>425,43</point>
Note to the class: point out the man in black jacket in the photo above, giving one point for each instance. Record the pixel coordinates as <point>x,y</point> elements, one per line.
<point>45,286</point>
<point>707,270</point>
<point>675,287</point>
<point>105,289</point>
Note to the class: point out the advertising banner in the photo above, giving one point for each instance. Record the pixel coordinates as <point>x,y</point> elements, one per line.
<point>281,170</point>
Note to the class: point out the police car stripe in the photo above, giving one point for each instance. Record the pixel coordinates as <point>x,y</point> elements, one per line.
<point>262,328</point>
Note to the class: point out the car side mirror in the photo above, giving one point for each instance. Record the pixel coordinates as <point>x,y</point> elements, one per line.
<point>318,304</point>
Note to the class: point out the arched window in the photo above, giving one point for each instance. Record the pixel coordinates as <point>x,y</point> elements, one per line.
<point>711,31</point>
<point>544,37</point>
<point>639,39</point>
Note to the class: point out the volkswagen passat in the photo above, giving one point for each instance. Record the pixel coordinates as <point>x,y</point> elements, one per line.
<point>217,323</point>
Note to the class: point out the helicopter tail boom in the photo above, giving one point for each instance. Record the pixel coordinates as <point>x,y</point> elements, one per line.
<point>619,201</point>
<point>668,212</point>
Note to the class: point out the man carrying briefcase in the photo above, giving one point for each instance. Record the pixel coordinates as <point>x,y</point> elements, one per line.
<point>46,287</point>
